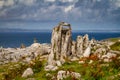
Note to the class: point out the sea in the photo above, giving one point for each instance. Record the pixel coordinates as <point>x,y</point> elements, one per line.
<point>15,39</point>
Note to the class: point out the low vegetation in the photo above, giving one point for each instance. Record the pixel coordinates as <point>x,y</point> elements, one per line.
<point>98,70</point>
<point>116,46</point>
<point>113,39</point>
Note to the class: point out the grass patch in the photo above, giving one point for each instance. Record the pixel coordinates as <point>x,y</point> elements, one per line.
<point>113,39</point>
<point>116,46</point>
<point>88,71</point>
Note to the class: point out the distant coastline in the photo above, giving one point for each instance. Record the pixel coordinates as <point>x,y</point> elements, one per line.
<point>49,30</point>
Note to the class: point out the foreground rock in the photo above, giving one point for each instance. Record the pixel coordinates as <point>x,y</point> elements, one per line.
<point>28,72</point>
<point>50,68</point>
<point>64,74</point>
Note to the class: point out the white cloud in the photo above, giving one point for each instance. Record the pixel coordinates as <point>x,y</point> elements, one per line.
<point>6,3</point>
<point>69,8</point>
<point>50,0</point>
<point>69,0</point>
<point>1,3</point>
<point>9,3</point>
<point>117,3</point>
<point>27,2</point>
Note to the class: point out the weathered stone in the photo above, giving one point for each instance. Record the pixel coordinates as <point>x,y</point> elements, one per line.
<point>76,75</point>
<point>87,52</point>
<point>48,75</point>
<point>79,45</point>
<point>107,60</point>
<point>58,63</point>
<point>81,62</point>
<point>74,47</point>
<point>61,43</point>
<point>85,41</point>
<point>27,72</point>
<point>64,74</point>
<point>74,59</point>
<point>30,79</point>
<point>109,55</point>
<point>50,68</point>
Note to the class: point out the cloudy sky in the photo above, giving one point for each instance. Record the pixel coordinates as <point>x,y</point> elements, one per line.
<point>45,14</point>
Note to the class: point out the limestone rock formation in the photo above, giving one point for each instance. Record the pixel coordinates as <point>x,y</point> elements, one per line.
<point>74,47</point>
<point>23,54</point>
<point>61,42</point>
<point>79,44</point>
<point>85,41</point>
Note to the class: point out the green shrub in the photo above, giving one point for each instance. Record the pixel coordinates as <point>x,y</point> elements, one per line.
<point>14,70</point>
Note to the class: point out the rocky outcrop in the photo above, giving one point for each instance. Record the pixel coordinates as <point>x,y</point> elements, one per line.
<point>60,43</point>
<point>82,44</point>
<point>23,54</point>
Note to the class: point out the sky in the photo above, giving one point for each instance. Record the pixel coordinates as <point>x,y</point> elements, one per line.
<point>46,14</point>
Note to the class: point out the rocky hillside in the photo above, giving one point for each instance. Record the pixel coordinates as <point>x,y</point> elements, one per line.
<point>63,59</point>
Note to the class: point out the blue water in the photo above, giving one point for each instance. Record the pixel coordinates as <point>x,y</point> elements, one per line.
<point>14,39</point>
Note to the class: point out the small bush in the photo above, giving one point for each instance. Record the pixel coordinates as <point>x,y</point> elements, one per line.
<point>14,70</point>
<point>37,66</point>
<point>115,63</point>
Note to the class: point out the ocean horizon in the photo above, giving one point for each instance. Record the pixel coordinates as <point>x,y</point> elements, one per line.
<point>15,39</point>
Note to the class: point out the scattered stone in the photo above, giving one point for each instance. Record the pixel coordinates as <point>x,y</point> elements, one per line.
<point>48,75</point>
<point>74,59</point>
<point>27,72</point>
<point>81,62</point>
<point>30,79</point>
<point>104,65</point>
<point>50,68</point>
<point>106,60</point>
<point>58,63</point>
<point>109,56</point>
<point>64,74</point>
<point>76,75</point>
